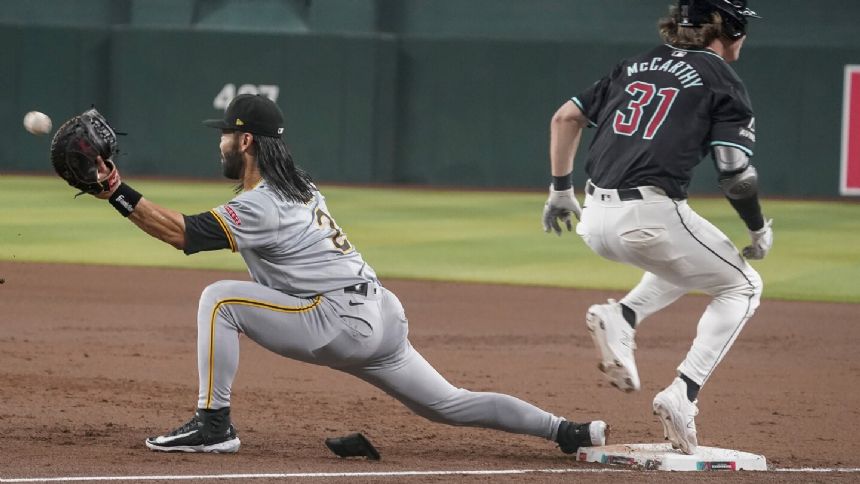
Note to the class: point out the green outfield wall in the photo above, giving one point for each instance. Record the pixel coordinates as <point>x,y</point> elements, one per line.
<point>58,70</point>
<point>335,92</point>
<point>436,92</point>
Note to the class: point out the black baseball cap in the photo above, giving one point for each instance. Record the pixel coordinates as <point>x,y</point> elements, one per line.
<point>251,113</point>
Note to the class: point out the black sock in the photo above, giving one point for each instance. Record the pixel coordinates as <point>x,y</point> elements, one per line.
<point>692,388</point>
<point>629,316</point>
<point>215,410</point>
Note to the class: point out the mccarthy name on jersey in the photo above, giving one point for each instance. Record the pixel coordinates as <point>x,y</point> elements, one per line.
<point>687,75</point>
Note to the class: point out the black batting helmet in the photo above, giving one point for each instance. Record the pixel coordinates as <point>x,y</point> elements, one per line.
<point>693,13</point>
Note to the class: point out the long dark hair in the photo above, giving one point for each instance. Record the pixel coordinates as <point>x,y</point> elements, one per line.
<point>280,173</point>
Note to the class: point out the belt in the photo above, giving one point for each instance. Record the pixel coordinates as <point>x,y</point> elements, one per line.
<point>362,289</point>
<point>624,194</point>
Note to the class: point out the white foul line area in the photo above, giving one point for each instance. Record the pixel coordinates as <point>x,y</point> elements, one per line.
<point>306,475</point>
<point>396,474</point>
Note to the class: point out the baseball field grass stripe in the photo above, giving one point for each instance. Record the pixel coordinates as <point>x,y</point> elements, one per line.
<point>243,302</point>
<point>492,237</point>
<point>225,229</point>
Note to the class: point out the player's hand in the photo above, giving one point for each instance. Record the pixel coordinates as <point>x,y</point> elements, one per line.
<point>762,241</point>
<point>107,172</point>
<point>558,207</point>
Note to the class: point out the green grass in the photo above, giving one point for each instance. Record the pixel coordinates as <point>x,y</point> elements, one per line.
<point>441,235</point>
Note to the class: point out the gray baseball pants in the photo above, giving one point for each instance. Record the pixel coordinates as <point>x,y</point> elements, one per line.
<point>361,334</point>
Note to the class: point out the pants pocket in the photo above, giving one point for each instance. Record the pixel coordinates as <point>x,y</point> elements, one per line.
<point>643,236</point>
<point>648,244</point>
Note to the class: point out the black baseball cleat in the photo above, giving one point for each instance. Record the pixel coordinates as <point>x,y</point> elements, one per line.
<point>572,435</point>
<point>207,431</point>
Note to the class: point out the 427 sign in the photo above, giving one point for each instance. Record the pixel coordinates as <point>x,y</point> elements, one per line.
<point>229,91</point>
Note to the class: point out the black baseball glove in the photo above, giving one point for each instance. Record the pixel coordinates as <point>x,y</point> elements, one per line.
<point>78,147</point>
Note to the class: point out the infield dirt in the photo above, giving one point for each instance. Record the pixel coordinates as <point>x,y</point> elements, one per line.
<point>94,359</point>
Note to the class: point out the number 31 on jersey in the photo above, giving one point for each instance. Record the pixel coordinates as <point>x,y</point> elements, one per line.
<point>627,121</point>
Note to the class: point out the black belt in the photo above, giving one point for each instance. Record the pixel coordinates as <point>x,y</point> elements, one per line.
<point>358,289</point>
<point>624,194</point>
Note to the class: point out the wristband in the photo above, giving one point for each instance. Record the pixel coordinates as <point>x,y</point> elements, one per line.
<point>124,199</point>
<point>563,182</point>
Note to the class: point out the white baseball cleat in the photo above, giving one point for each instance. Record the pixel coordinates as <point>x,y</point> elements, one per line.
<point>677,414</point>
<point>614,340</point>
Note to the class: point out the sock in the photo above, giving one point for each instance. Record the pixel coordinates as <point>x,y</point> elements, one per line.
<point>692,388</point>
<point>561,433</point>
<point>214,410</point>
<point>629,316</point>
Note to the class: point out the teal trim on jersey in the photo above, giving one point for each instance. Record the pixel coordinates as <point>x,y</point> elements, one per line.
<point>579,104</point>
<point>733,145</point>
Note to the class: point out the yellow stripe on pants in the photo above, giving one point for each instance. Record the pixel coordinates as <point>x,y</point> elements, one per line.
<point>244,302</point>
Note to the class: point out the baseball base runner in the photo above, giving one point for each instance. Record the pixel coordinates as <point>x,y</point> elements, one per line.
<point>656,115</point>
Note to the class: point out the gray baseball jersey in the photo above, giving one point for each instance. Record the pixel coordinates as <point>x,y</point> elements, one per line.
<point>289,246</point>
<point>314,299</point>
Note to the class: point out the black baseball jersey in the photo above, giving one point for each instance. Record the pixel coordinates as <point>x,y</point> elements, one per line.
<point>658,114</point>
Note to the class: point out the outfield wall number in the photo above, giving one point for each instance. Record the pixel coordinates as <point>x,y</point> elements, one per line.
<point>229,91</point>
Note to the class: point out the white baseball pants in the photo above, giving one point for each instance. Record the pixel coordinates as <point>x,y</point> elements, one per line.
<point>680,252</point>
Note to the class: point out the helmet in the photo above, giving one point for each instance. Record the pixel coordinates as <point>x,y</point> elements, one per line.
<point>693,13</point>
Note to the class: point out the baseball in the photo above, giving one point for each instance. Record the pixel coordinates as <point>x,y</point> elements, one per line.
<point>37,123</point>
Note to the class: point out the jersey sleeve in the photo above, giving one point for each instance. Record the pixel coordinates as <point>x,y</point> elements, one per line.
<point>592,99</point>
<point>204,232</point>
<point>732,119</point>
<point>248,221</point>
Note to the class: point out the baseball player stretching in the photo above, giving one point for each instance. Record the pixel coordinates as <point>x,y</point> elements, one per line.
<point>656,115</point>
<point>313,298</point>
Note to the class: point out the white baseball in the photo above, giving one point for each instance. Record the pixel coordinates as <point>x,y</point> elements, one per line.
<point>37,123</point>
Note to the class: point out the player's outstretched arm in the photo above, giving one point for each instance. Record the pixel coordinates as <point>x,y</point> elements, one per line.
<point>162,223</point>
<point>82,152</point>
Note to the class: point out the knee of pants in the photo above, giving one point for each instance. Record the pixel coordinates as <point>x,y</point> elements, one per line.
<point>750,289</point>
<point>750,285</point>
<point>215,292</point>
<point>755,286</point>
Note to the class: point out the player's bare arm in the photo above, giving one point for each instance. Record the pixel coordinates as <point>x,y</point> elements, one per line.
<point>565,133</point>
<point>162,223</point>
